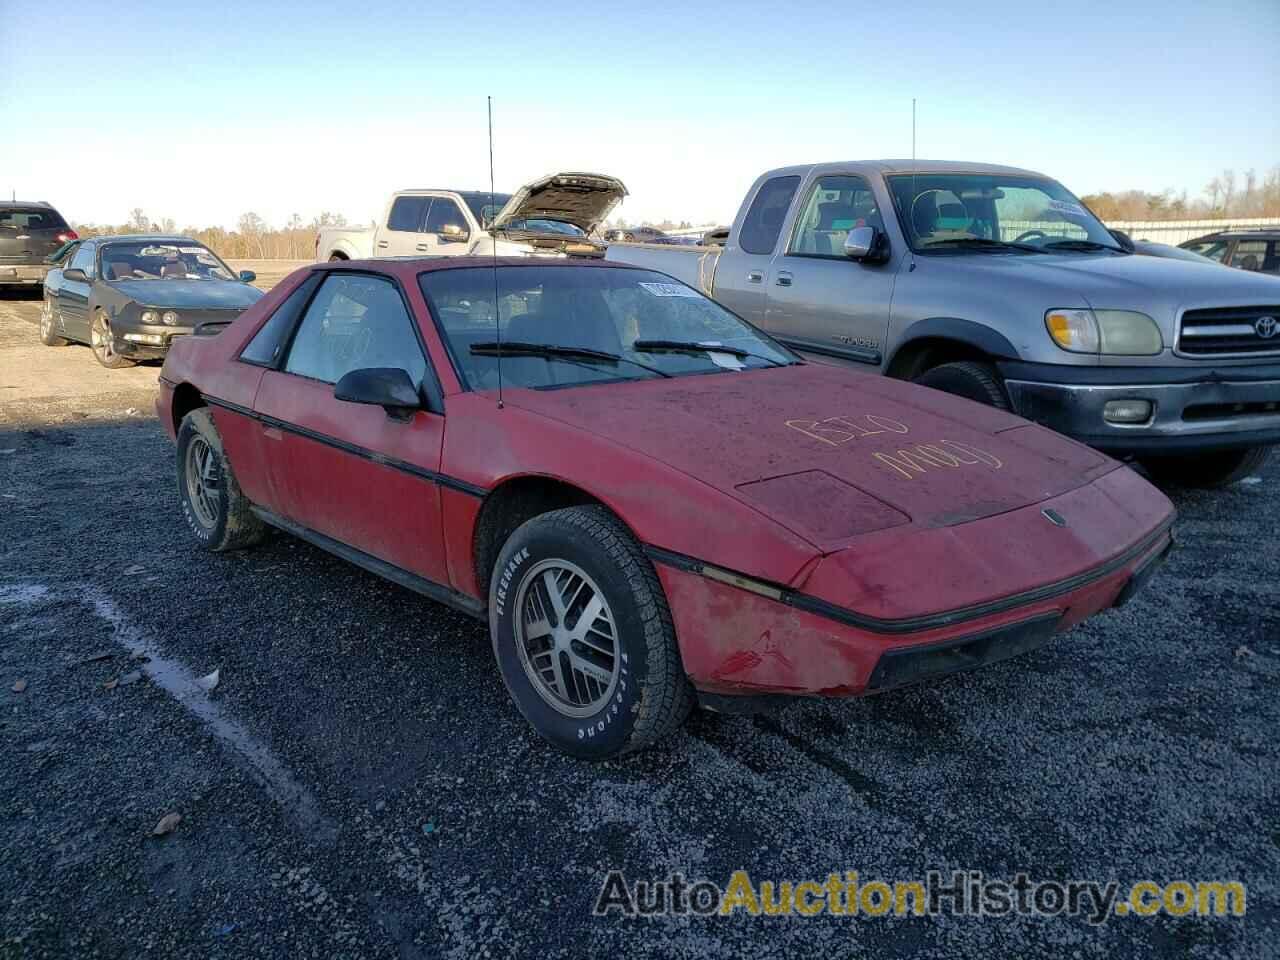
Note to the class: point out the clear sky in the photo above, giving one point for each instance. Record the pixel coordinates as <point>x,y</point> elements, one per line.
<point>200,112</point>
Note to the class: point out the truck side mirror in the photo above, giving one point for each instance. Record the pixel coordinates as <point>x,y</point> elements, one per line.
<point>452,233</point>
<point>865,244</point>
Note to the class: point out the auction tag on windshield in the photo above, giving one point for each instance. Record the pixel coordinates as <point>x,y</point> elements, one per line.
<point>1066,207</point>
<point>669,290</point>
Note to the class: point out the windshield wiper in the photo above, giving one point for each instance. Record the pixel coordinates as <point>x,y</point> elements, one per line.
<point>693,346</point>
<point>520,348</point>
<point>982,243</point>
<point>1081,245</point>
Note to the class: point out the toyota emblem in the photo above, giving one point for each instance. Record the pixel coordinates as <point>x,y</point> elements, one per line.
<point>1266,327</point>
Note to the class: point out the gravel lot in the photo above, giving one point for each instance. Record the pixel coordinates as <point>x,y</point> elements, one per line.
<point>359,784</point>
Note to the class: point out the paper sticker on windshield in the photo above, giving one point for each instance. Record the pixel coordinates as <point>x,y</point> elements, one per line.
<point>726,360</point>
<point>669,290</point>
<point>1066,208</point>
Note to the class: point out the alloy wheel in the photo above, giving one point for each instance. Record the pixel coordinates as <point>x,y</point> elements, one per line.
<point>203,482</point>
<point>102,339</point>
<point>46,319</point>
<point>567,638</point>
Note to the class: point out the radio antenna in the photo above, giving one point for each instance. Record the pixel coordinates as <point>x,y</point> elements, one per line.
<point>497,320</point>
<point>911,211</point>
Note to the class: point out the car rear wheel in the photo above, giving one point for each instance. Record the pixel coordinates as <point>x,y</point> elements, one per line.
<point>48,330</point>
<point>1207,470</point>
<point>103,341</point>
<point>968,379</point>
<point>583,635</point>
<point>213,505</point>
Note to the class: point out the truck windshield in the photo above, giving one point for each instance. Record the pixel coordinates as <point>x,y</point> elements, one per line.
<point>948,212</point>
<point>570,325</point>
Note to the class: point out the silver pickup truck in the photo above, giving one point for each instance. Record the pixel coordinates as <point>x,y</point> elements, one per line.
<point>998,285</point>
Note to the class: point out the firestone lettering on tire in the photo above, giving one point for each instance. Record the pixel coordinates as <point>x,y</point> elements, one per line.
<point>505,582</point>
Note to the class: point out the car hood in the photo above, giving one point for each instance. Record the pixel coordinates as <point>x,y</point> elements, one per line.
<point>582,199</point>
<point>1110,281</point>
<point>830,453</point>
<point>189,294</point>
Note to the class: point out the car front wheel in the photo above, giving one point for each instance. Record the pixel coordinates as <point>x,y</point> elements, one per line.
<point>48,329</point>
<point>103,341</point>
<point>583,635</point>
<point>213,505</point>
<point>968,379</point>
<point>1207,470</point>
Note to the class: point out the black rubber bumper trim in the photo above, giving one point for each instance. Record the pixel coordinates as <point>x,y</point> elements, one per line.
<point>453,483</point>
<point>1200,371</point>
<point>946,618</point>
<point>389,571</point>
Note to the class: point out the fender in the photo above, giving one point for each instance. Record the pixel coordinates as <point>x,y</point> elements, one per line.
<point>965,331</point>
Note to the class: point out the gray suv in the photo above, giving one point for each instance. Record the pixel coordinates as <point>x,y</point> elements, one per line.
<point>30,233</point>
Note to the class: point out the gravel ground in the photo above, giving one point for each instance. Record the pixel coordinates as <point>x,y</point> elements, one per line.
<point>359,784</point>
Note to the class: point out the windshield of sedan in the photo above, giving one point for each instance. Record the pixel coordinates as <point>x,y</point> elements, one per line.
<point>991,212</point>
<point>563,326</point>
<point>545,226</point>
<point>148,260</point>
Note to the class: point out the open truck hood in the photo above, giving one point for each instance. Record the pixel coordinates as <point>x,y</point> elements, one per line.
<point>831,454</point>
<point>582,199</point>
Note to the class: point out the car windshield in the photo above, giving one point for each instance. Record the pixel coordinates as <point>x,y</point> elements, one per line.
<point>149,260</point>
<point>986,213</point>
<point>567,325</point>
<point>546,226</point>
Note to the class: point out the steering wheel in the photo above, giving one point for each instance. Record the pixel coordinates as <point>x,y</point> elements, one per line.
<point>1029,235</point>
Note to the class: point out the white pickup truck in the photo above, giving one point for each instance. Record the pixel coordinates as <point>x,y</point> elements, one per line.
<point>552,216</point>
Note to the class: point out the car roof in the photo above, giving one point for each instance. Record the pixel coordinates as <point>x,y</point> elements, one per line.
<point>1245,233</point>
<point>405,267</point>
<point>144,237</point>
<point>890,167</point>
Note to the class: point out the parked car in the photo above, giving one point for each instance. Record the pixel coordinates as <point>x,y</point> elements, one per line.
<point>29,234</point>
<point>648,500</point>
<point>1255,250</point>
<point>998,285</point>
<point>636,235</point>
<point>130,296</point>
<point>1151,248</point>
<point>552,216</point>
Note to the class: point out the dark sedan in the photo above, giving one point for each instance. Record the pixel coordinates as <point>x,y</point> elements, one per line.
<point>128,297</point>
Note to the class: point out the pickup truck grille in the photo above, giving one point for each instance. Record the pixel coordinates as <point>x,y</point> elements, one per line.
<point>1225,331</point>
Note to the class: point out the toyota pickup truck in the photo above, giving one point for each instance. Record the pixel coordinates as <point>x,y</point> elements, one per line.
<point>999,285</point>
<point>552,216</point>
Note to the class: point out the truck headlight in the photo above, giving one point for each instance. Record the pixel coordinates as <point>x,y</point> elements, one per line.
<point>170,318</point>
<point>148,316</point>
<point>1113,332</point>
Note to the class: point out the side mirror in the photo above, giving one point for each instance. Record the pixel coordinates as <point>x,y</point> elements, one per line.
<point>865,244</point>
<point>248,276</point>
<point>452,233</point>
<point>388,387</point>
<point>75,275</point>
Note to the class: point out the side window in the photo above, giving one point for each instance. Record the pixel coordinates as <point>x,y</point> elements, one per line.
<point>264,349</point>
<point>406,214</point>
<point>1249,254</point>
<point>764,219</point>
<point>83,260</point>
<point>444,212</point>
<point>1214,249</point>
<point>836,205</point>
<point>354,321</point>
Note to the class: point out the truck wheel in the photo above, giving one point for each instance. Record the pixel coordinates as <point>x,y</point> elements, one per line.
<point>103,342</point>
<point>583,635</point>
<point>214,507</point>
<point>968,379</point>
<point>1207,470</point>
<point>48,332</point>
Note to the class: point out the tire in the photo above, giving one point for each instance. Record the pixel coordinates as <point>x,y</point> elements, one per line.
<point>640,692</point>
<point>219,515</point>
<point>48,332</point>
<point>1207,470</point>
<point>103,343</point>
<point>968,379</point>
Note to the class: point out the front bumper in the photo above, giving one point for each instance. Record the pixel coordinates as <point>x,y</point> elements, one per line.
<point>146,341</point>
<point>23,273</point>
<point>1194,408</point>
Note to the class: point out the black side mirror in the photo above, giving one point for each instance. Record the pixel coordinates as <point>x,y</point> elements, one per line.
<point>388,387</point>
<point>75,275</point>
<point>866,245</point>
<point>248,276</point>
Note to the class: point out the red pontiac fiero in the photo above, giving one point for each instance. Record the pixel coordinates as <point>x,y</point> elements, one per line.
<point>650,501</point>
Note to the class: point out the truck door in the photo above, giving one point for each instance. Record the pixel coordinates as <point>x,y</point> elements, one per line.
<point>820,300</point>
<point>402,234</point>
<point>446,231</point>
<point>741,272</point>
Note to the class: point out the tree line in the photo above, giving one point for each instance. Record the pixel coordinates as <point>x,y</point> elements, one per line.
<point>1226,195</point>
<point>253,238</point>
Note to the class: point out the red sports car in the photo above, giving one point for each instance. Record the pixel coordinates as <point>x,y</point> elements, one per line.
<point>651,502</point>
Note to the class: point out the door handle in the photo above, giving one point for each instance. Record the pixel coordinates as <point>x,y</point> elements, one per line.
<point>383,243</point>
<point>755,276</point>
<point>784,278</point>
<point>421,246</point>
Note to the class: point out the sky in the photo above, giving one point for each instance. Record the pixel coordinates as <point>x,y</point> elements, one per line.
<point>203,112</point>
